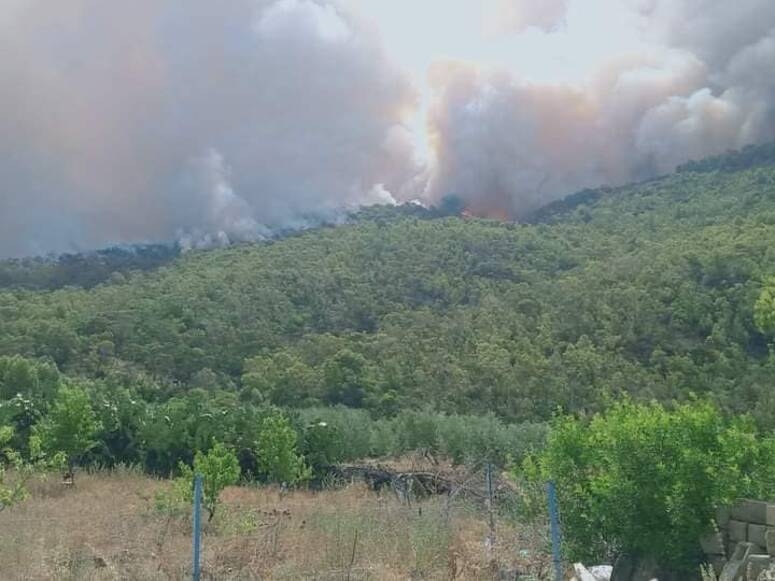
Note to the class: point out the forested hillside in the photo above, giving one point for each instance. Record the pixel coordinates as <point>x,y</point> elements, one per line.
<point>646,290</point>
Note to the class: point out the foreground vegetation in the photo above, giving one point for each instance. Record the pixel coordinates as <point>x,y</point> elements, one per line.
<point>647,481</point>
<point>108,527</point>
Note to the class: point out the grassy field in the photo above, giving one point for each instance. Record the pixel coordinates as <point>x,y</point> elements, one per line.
<point>108,526</point>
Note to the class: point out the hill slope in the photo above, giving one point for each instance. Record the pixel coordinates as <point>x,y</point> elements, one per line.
<point>646,290</point>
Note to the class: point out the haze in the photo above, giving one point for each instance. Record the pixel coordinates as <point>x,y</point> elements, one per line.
<point>207,122</point>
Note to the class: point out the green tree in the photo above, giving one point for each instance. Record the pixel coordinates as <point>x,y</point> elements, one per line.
<point>348,379</point>
<point>323,444</point>
<point>70,426</point>
<point>10,493</point>
<point>764,309</point>
<point>283,379</point>
<point>644,480</point>
<point>277,454</point>
<point>219,468</point>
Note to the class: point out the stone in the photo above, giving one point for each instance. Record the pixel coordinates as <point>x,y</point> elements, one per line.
<point>738,532</point>
<point>769,537</point>
<point>713,544</point>
<point>602,572</point>
<point>768,575</point>
<point>757,564</point>
<point>752,511</point>
<point>582,573</point>
<point>757,535</point>
<point>735,567</point>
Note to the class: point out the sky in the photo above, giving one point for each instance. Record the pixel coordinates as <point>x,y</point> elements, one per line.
<point>567,47</point>
<point>564,47</point>
<point>210,122</point>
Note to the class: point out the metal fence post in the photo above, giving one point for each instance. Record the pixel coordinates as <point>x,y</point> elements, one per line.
<point>197,521</point>
<point>554,521</point>
<point>490,505</point>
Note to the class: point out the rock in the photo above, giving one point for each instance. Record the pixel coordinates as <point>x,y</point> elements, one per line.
<point>738,531</point>
<point>598,573</point>
<point>582,573</point>
<point>756,565</point>
<point>602,572</point>
<point>735,567</point>
<point>769,537</point>
<point>757,535</point>
<point>768,575</point>
<point>754,511</point>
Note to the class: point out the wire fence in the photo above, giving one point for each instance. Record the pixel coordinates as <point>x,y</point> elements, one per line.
<point>111,528</point>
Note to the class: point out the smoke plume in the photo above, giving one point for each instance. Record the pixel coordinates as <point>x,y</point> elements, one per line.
<point>150,119</point>
<point>211,122</point>
<point>706,84</point>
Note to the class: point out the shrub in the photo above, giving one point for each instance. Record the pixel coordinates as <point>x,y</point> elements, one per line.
<point>70,426</point>
<point>277,454</point>
<point>219,468</point>
<point>15,492</point>
<point>645,480</point>
<point>323,445</point>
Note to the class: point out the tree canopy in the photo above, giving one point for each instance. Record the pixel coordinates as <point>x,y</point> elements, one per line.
<point>657,291</point>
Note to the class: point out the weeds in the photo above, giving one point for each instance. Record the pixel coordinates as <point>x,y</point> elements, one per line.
<point>119,525</point>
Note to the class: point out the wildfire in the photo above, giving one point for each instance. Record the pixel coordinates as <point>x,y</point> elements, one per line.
<point>499,214</point>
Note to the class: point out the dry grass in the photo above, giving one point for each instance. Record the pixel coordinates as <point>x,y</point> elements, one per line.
<point>106,527</point>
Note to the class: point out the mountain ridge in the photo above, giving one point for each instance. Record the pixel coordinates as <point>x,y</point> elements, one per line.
<point>645,291</point>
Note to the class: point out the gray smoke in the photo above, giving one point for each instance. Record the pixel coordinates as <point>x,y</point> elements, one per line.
<point>508,147</point>
<point>211,122</point>
<point>150,119</point>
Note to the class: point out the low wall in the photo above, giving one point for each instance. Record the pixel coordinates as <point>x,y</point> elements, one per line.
<point>742,548</point>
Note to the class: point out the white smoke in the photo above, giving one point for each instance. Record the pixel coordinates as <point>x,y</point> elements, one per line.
<point>509,16</point>
<point>137,121</point>
<point>220,121</point>
<point>705,85</point>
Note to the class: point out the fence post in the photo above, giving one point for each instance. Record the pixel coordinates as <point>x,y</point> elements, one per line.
<point>554,521</point>
<point>197,521</point>
<point>490,505</point>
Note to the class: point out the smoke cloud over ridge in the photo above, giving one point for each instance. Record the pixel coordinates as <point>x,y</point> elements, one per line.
<point>145,120</point>
<point>704,85</point>
<point>210,122</point>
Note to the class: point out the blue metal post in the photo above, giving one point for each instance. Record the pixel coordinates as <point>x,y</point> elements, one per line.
<point>490,505</point>
<point>554,520</point>
<point>197,526</point>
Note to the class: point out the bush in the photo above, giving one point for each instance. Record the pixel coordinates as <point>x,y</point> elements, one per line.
<point>70,426</point>
<point>354,435</point>
<point>277,454</point>
<point>219,468</point>
<point>323,445</point>
<point>15,492</point>
<point>644,480</point>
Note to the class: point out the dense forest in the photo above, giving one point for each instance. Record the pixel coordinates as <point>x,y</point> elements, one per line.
<point>410,317</point>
